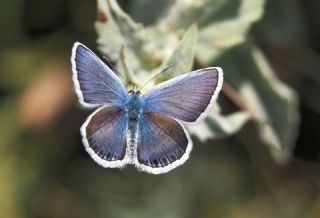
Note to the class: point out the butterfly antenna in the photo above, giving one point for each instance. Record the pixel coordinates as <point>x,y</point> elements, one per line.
<point>157,75</point>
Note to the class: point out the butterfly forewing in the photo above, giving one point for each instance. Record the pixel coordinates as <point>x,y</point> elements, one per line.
<point>95,83</point>
<point>104,136</point>
<point>163,143</point>
<point>187,97</point>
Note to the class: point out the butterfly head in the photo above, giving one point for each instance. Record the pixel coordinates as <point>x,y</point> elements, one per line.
<point>134,92</point>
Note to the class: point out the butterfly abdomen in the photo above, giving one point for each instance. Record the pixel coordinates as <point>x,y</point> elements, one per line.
<point>132,139</point>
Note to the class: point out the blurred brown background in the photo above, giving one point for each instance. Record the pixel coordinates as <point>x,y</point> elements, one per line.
<point>45,172</point>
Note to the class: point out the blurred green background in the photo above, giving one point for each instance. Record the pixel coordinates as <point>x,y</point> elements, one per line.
<point>45,171</point>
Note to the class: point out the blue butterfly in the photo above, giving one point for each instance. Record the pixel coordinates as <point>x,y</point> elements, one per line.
<point>143,130</point>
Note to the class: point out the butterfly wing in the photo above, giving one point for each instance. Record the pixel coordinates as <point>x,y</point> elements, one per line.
<point>104,136</point>
<point>187,97</point>
<point>163,143</point>
<point>95,83</point>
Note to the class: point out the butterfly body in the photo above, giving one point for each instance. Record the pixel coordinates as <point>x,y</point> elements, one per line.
<point>146,130</point>
<point>133,111</point>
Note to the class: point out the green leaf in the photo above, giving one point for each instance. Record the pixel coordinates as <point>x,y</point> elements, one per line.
<point>130,30</point>
<point>148,48</point>
<point>109,38</point>
<point>184,13</point>
<point>155,10</point>
<point>287,43</point>
<point>181,59</point>
<point>218,126</point>
<point>222,24</point>
<point>219,36</point>
<point>284,25</point>
<point>119,30</point>
<point>274,104</point>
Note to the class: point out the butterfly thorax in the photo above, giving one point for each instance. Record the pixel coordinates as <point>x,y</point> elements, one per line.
<point>133,107</point>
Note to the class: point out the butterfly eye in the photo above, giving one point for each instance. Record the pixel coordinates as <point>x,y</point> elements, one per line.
<point>130,91</point>
<point>138,92</point>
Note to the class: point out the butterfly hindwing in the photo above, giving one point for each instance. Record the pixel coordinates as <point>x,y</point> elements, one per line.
<point>104,136</point>
<point>163,143</point>
<point>95,83</point>
<point>187,97</point>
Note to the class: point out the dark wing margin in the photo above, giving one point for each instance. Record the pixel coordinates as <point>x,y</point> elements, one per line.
<point>104,136</point>
<point>95,83</point>
<point>188,97</point>
<point>163,144</point>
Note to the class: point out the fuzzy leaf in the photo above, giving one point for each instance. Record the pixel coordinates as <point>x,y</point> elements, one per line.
<point>179,62</point>
<point>181,59</point>
<point>183,13</point>
<point>274,103</point>
<point>218,126</point>
<point>120,30</point>
<point>222,24</point>
<point>219,31</point>
<point>219,36</point>
<point>109,38</point>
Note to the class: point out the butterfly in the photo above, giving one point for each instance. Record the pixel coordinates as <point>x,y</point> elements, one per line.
<point>146,130</point>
